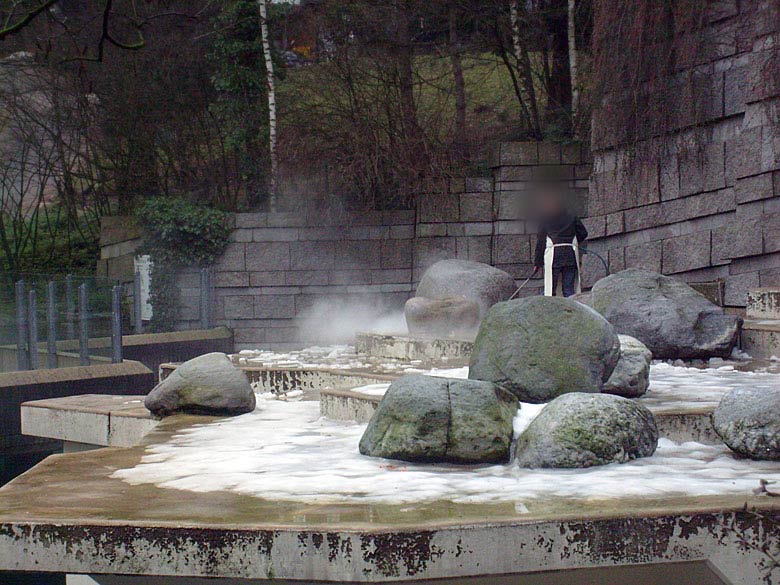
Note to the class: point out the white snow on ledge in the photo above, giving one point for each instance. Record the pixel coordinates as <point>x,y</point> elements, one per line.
<point>287,451</point>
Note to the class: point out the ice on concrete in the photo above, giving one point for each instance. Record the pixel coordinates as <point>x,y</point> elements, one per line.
<point>334,357</point>
<point>287,451</point>
<point>683,387</point>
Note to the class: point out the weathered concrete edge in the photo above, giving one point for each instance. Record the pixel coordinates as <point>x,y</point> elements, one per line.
<point>731,539</point>
<point>28,377</point>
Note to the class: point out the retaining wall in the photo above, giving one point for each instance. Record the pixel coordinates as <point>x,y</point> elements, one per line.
<point>279,267</point>
<point>709,207</point>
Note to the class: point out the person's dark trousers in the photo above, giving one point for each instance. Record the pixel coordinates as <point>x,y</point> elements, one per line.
<point>568,277</point>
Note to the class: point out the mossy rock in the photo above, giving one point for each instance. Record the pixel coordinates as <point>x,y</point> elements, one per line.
<point>584,430</point>
<point>435,420</point>
<point>748,421</point>
<point>539,348</point>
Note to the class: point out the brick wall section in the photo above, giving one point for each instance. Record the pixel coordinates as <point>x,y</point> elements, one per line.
<point>713,211</point>
<point>278,265</point>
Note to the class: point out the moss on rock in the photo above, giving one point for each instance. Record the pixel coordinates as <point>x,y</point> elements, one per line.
<point>541,347</point>
<point>583,430</point>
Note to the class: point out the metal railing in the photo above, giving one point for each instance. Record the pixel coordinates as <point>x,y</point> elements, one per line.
<point>27,316</point>
<point>50,313</point>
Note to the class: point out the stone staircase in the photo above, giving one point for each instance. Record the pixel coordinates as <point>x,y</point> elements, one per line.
<point>761,331</point>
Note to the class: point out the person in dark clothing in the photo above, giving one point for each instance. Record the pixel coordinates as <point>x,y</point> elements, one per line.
<point>557,251</point>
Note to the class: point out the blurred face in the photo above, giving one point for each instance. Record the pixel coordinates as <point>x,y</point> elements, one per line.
<point>550,203</point>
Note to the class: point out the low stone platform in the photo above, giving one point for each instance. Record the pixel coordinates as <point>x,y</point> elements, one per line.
<point>69,514</point>
<point>761,338</point>
<point>89,421</point>
<point>676,423</point>
<point>452,352</point>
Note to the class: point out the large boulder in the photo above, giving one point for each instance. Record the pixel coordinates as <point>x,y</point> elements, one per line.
<point>482,283</point>
<point>583,430</point>
<point>668,316</point>
<point>208,384</point>
<point>631,375</point>
<point>541,347</point>
<point>451,317</point>
<point>748,421</point>
<point>429,419</point>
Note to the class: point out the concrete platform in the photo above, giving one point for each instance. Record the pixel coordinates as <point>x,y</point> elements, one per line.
<point>89,421</point>
<point>677,423</point>
<point>761,338</point>
<point>69,515</point>
<point>452,352</point>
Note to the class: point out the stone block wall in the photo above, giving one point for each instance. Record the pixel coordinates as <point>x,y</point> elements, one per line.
<point>709,207</point>
<point>279,266</point>
<point>119,239</point>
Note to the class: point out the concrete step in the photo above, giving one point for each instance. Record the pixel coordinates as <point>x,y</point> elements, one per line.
<point>763,303</point>
<point>761,338</point>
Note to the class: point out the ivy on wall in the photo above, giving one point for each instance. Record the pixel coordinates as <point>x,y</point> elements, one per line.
<point>177,234</point>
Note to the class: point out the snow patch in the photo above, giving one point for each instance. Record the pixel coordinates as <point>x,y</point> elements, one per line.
<point>289,452</point>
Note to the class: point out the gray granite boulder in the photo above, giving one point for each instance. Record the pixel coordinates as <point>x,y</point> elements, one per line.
<point>631,375</point>
<point>748,421</point>
<point>429,419</point>
<point>482,283</point>
<point>541,347</point>
<point>668,316</point>
<point>583,430</point>
<point>207,384</point>
<point>450,317</point>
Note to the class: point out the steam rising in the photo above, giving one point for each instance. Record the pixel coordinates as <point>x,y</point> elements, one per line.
<point>335,321</point>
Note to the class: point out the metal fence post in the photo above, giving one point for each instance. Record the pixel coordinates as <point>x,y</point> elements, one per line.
<point>22,357</point>
<point>32,328</point>
<point>116,324</point>
<point>137,319</point>
<point>83,326</point>
<point>70,308</point>
<point>205,298</point>
<point>51,320</point>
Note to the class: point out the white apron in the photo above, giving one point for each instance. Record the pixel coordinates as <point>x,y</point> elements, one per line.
<point>549,254</point>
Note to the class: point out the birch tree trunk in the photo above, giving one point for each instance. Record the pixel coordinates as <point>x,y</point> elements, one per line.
<point>524,69</point>
<point>269,72</point>
<point>575,90</point>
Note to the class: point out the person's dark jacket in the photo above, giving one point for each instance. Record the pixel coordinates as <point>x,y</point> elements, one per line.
<point>561,229</point>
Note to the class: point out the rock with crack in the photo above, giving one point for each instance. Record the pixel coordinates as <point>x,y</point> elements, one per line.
<point>478,282</point>
<point>631,376</point>
<point>583,430</point>
<point>208,384</point>
<point>748,421</point>
<point>541,347</point>
<point>668,316</point>
<point>450,317</point>
<point>437,420</point>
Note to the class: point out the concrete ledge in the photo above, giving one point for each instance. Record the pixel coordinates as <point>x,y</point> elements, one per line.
<point>763,303</point>
<point>761,338</point>
<point>280,380</point>
<point>151,349</point>
<point>91,419</point>
<point>347,405</point>
<point>126,378</point>
<point>676,424</point>
<point>452,352</point>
